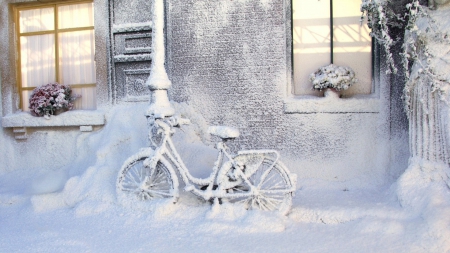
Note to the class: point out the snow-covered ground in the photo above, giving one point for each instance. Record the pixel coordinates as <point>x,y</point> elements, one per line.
<point>324,219</point>
<point>74,209</point>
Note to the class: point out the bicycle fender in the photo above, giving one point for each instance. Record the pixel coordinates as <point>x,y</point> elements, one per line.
<point>268,152</point>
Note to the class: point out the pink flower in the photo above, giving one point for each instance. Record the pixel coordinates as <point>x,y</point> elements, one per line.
<point>46,99</point>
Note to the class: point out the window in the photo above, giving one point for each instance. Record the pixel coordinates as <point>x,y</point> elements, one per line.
<point>55,43</point>
<point>314,23</point>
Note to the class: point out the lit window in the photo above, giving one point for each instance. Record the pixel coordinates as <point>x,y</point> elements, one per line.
<point>312,47</point>
<point>56,43</point>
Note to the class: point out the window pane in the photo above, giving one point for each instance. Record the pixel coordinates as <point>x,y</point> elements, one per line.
<point>352,43</point>
<point>76,57</point>
<point>88,98</point>
<point>36,20</point>
<point>76,15</point>
<point>26,94</point>
<point>37,60</point>
<point>311,41</point>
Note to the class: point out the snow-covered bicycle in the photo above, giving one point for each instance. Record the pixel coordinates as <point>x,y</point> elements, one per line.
<point>255,178</point>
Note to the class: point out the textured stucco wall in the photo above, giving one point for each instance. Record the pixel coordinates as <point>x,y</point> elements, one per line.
<point>8,50</point>
<point>48,148</point>
<point>228,60</point>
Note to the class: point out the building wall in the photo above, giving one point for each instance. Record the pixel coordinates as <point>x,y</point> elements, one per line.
<point>7,47</point>
<point>49,148</point>
<point>230,60</point>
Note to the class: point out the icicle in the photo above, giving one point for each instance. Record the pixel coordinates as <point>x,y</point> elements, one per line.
<point>426,120</point>
<point>432,150</point>
<point>419,141</point>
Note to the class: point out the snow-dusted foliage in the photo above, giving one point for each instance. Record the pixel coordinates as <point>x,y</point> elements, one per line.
<point>426,90</point>
<point>426,65</point>
<point>424,39</point>
<point>380,19</point>
<point>425,48</point>
<point>47,99</point>
<point>415,38</point>
<point>333,76</point>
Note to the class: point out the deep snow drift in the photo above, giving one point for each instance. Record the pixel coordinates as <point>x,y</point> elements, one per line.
<point>76,210</point>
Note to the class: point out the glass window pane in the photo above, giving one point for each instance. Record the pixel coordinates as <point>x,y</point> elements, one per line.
<point>26,94</point>
<point>352,44</point>
<point>37,60</point>
<point>76,57</point>
<point>36,20</point>
<point>311,41</point>
<point>76,15</point>
<point>88,98</point>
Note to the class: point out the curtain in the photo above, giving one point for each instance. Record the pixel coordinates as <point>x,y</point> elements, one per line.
<point>76,50</point>
<point>37,20</point>
<point>37,59</point>
<point>77,65</point>
<point>38,51</point>
<point>76,15</point>
<point>352,43</point>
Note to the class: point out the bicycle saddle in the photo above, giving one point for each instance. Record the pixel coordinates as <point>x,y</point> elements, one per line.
<point>224,132</point>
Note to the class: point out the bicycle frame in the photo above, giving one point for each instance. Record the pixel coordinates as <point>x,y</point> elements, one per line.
<point>168,155</point>
<point>255,178</point>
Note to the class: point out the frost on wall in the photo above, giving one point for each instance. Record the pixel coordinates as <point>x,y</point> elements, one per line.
<point>427,105</point>
<point>426,91</point>
<point>131,43</point>
<point>229,61</point>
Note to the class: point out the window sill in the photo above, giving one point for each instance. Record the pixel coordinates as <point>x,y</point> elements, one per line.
<point>85,119</point>
<point>313,104</point>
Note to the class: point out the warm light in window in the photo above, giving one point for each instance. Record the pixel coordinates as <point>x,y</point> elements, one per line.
<point>352,45</point>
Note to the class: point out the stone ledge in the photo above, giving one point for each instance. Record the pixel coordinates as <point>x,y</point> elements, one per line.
<point>66,119</point>
<point>312,104</point>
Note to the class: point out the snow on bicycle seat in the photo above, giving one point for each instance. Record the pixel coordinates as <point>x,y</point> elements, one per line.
<point>224,132</point>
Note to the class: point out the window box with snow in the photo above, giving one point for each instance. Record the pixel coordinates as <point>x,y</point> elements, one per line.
<point>55,43</point>
<point>332,36</point>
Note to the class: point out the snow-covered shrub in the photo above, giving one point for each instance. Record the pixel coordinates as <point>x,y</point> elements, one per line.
<point>380,19</point>
<point>333,76</point>
<point>47,99</point>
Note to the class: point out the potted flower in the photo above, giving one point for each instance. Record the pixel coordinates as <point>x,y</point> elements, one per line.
<point>333,79</point>
<point>51,99</point>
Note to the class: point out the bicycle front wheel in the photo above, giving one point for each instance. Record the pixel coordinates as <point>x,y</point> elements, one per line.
<point>138,180</point>
<point>263,184</point>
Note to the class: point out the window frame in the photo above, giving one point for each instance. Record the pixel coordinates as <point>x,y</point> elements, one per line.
<point>16,8</point>
<point>331,47</point>
<point>312,104</point>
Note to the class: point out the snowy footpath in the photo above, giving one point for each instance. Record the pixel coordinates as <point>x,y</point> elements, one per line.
<point>75,209</point>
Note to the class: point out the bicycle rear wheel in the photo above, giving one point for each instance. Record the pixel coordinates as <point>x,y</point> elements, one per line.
<point>267,185</point>
<point>138,180</point>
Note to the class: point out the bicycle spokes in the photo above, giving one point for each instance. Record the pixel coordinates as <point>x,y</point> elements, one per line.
<point>146,182</point>
<point>268,188</point>
<point>256,179</point>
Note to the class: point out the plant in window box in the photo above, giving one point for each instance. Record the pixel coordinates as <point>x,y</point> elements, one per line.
<point>51,99</point>
<point>333,79</point>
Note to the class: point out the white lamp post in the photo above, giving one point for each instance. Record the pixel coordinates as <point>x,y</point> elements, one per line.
<point>158,81</point>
